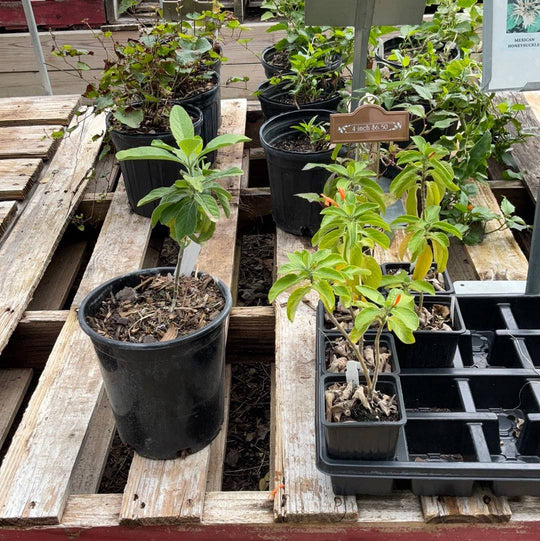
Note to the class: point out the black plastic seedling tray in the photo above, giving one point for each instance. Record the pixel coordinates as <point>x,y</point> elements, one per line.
<point>475,421</point>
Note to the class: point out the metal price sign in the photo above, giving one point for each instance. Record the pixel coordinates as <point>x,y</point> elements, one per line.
<point>369,124</point>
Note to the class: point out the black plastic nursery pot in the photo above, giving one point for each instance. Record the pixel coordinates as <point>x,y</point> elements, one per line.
<point>209,102</point>
<point>271,98</point>
<point>370,440</point>
<point>388,268</point>
<point>326,339</point>
<point>433,349</point>
<point>142,176</point>
<point>395,43</point>
<point>287,177</point>
<point>167,397</point>
<point>270,70</point>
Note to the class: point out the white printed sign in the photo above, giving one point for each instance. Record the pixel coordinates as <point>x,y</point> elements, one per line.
<point>511,58</point>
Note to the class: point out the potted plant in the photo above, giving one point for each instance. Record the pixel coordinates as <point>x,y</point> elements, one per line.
<point>291,141</point>
<point>141,81</point>
<point>160,335</point>
<point>423,183</point>
<point>339,270</point>
<point>335,42</point>
<point>303,87</point>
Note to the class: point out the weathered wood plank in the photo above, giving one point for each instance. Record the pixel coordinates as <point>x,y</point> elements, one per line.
<point>173,491</point>
<point>54,287</point>
<point>307,494</point>
<point>17,177</point>
<point>33,112</point>
<point>483,507</point>
<point>27,141</point>
<point>8,210</point>
<point>38,468</point>
<point>498,257</point>
<point>25,254</point>
<point>13,385</point>
<point>34,338</point>
<point>219,445</point>
<point>97,443</point>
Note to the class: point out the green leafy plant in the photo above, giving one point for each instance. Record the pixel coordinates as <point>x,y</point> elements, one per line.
<point>303,82</point>
<point>190,207</point>
<point>334,42</point>
<point>425,178</point>
<point>316,133</point>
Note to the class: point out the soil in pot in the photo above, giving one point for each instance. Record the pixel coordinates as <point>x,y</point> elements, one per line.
<point>437,317</point>
<point>339,351</point>
<point>142,314</point>
<point>346,402</point>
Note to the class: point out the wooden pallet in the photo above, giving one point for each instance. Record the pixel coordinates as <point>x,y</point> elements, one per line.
<point>53,466</point>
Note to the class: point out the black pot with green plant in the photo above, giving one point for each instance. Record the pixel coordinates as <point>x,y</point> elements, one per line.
<point>162,364</point>
<point>303,87</point>
<point>291,141</point>
<point>142,176</point>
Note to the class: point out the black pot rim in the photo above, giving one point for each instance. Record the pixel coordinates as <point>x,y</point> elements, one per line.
<point>157,134</point>
<point>266,84</point>
<point>383,378</point>
<point>216,77</point>
<point>282,116</point>
<point>97,338</point>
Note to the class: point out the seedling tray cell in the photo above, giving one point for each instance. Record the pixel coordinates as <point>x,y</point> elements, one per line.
<point>477,420</point>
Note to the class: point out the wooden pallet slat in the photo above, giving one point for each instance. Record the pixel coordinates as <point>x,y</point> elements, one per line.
<point>31,112</point>
<point>13,385</point>
<point>499,257</point>
<point>307,494</point>
<point>17,176</point>
<point>8,210</point>
<point>173,491</point>
<point>23,260</point>
<point>27,141</point>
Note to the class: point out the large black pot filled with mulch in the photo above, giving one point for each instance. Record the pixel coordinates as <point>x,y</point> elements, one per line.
<point>209,102</point>
<point>277,99</point>
<point>164,372</point>
<point>142,176</point>
<point>275,62</point>
<point>287,153</point>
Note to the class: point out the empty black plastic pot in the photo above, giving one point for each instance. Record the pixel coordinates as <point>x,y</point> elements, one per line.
<point>209,102</point>
<point>142,176</point>
<point>287,177</point>
<point>167,397</point>
<point>370,440</point>
<point>433,349</point>
<point>272,101</point>
<point>270,70</point>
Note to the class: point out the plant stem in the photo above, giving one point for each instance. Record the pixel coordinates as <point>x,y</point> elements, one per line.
<point>420,303</point>
<point>355,349</point>
<point>177,275</point>
<point>377,358</point>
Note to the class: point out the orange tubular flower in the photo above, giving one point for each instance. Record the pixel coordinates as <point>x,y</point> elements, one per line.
<point>469,207</point>
<point>396,302</point>
<point>328,201</point>
<point>341,193</point>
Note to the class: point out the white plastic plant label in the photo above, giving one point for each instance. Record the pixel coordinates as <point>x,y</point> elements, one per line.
<point>511,49</point>
<point>351,372</point>
<point>189,258</point>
